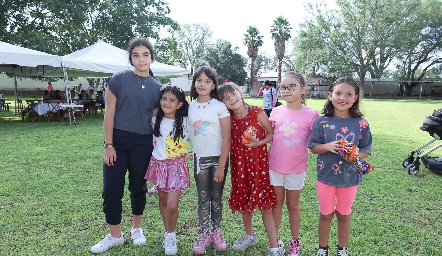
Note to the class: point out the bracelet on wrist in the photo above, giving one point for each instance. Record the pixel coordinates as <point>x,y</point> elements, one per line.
<point>222,168</point>
<point>108,145</point>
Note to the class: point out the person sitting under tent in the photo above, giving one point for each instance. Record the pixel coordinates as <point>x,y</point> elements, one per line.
<point>99,101</point>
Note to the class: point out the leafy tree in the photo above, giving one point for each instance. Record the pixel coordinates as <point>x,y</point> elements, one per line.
<point>365,37</point>
<point>167,51</point>
<point>422,45</point>
<point>268,62</point>
<point>227,62</point>
<point>349,37</point>
<point>387,21</point>
<point>61,27</point>
<point>435,72</point>
<point>280,31</point>
<point>253,40</point>
<point>361,37</point>
<point>310,55</point>
<point>193,40</point>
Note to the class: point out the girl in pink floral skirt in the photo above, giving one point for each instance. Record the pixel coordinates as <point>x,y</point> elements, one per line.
<point>168,169</point>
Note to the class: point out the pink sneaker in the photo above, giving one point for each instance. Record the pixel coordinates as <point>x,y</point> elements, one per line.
<point>218,240</point>
<point>202,242</point>
<point>295,248</point>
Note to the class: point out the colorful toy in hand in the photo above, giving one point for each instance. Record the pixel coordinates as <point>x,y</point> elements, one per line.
<point>350,150</point>
<point>364,167</point>
<point>249,133</point>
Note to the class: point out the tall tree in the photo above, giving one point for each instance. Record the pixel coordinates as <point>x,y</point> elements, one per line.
<point>310,55</point>
<point>227,62</point>
<point>280,31</point>
<point>167,51</point>
<point>61,27</point>
<point>253,40</point>
<point>268,62</point>
<point>193,40</point>
<point>422,45</point>
<point>360,36</point>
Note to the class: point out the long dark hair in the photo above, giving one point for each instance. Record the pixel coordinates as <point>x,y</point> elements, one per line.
<point>210,73</point>
<point>329,109</point>
<point>141,41</point>
<point>179,114</point>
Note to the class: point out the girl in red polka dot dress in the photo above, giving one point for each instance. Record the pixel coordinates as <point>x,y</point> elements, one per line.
<point>251,189</point>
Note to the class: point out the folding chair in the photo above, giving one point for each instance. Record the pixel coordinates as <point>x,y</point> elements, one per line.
<point>30,111</point>
<point>4,105</point>
<point>53,109</point>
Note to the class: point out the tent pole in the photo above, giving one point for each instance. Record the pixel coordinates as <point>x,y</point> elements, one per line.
<point>15,94</point>
<point>71,115</point>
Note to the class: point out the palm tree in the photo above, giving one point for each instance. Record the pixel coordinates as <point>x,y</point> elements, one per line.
<point>280,31</point>
<point>253,40</point>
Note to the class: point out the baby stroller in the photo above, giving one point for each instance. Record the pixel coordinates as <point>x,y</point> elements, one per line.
<point>433,125</point>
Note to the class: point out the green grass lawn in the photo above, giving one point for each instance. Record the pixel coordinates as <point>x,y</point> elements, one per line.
<point>51,177</point>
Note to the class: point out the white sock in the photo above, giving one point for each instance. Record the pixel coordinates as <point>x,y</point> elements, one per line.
<point>274,249</point>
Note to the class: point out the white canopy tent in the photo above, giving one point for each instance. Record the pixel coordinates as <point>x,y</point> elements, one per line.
<point>103,60</point>
<point>22,61</point>
<point>98,60</point>
<point>29,62</point>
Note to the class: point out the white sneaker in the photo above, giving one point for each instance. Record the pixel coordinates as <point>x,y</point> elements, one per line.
<point>170,247</point>
<point>137,236</point>
<point>108,242</point>
<point>275,253</point>
<point>244,242</point>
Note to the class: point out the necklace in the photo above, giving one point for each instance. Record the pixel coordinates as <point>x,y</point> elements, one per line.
<point>143,85</point>
<point>203,104</point>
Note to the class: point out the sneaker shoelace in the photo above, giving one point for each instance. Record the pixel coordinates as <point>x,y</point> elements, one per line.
<point>218,237</point>
<point>169,242</point>
<point>277,253</point>
<point>343,252</point>
<point>201,240</point>
<point>242,240</point>
<point>106,240</point>
<point>322,252</point>
<point>136,234</point>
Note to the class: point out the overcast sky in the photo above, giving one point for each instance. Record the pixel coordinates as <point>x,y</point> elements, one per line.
<point>229,19</point>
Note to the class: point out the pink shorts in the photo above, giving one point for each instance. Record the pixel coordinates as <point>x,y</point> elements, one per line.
<point>328,194</point>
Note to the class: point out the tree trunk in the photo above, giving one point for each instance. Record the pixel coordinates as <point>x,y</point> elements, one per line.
<point>361,88</point>
<point>252,78</point>
<point>279,73</point>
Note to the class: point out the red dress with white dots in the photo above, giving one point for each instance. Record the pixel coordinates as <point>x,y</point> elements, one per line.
<point>249,168</point>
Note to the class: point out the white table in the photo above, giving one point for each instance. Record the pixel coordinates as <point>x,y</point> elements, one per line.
<point>43,107</point>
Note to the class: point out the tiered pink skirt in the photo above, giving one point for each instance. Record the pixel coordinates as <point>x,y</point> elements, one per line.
<point>169,175</point>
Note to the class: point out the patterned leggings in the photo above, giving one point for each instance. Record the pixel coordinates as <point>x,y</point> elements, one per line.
<point>210,193</point>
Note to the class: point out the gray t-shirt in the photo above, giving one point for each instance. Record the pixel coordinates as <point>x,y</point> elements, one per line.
<point>332,169</point>
<point>136,98</point>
